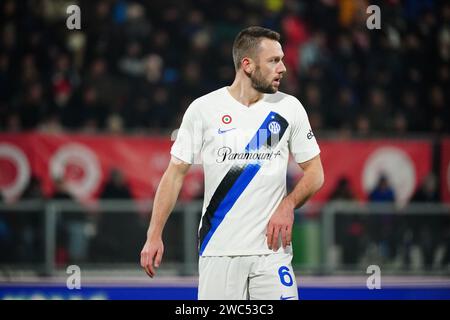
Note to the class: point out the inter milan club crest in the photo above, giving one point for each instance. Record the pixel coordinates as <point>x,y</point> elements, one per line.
<point>226,119</point>
<point>274,127</point>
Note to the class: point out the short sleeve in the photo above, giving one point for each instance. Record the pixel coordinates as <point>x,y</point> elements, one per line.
<point>188,142</point>
<point>302,143</point>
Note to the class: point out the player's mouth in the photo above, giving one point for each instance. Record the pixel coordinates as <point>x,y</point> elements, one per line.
<point>277,81</point>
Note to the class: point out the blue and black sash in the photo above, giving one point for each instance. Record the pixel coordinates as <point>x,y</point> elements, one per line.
<point>238,177</point>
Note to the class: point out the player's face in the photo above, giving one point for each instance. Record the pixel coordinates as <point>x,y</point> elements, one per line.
<point>269,67</point>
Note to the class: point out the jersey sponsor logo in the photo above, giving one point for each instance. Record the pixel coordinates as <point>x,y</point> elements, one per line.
<point>226,153</point>
<point>310,134</point>
<point>220,131</point>
<point>286,298</point>
<point>227,119</point>
<point>274,127</point>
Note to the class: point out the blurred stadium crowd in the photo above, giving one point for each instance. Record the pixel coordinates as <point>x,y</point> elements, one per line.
<point>135,66</point>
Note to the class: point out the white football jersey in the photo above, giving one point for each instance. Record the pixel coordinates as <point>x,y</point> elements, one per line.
<point>244,152</point>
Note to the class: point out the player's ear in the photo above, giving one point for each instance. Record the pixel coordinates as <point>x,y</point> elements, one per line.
<point>247,65</point>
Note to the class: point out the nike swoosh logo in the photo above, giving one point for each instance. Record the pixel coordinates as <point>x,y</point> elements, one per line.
<point>286,298</point>
<point>219,131</point>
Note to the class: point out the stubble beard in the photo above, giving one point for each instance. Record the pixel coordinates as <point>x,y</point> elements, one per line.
<point>260,84</point>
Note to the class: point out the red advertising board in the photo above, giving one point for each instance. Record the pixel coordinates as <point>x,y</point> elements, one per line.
<point>85,162</point>
<point>405,163</point>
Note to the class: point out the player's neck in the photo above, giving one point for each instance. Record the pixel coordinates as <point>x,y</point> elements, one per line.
<point>242,91</point>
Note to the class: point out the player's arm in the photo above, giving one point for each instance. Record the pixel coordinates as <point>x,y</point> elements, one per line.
<point>165,200</point>
<point>283,218</point>
<point>309,184</point>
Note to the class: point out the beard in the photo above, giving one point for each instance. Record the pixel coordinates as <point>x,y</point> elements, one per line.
<point>260,84</point>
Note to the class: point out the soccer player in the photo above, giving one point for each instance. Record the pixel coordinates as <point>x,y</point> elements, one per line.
<point>242,135</point>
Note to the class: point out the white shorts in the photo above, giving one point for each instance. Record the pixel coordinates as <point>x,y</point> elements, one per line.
<point>263,277</point>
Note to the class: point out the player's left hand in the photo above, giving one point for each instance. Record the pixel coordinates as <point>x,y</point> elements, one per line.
<point>281,222</point>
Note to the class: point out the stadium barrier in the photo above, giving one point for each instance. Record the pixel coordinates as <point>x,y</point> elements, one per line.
<point>44,237</point>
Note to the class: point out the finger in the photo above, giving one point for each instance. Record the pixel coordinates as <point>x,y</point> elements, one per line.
<point>289,236</point>
<point>149,265</point>
<point>144,263</point>
<point>269,235</point>
<point>147,271</point>
<point>284,237</point>
<point>276,234</point>
<point>158,257</point>
<point>144,258</point>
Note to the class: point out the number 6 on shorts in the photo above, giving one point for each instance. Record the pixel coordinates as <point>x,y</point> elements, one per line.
<point>285,276</point>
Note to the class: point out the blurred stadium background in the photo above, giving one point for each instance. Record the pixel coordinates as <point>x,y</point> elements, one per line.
<point>87,117</point>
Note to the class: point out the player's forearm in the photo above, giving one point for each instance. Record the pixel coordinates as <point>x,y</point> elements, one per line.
<point>309,184</point>
<point>165,199</point>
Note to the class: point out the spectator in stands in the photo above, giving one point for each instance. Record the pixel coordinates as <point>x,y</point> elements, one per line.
<point>413,230</point>
<point>363,126</point>
<point>428,191</point>
<point>32,109</point>
<point>399,124</point>
<point>64,80</point>
<point>89,113</point>
<point>313,52</point>
<point>342,190</point>
<point>161,109</point>
<point>62,228</point>
<point>126,50</point>
<point>343,114</point>
<point>413,112</point>
<point>438,112</point>
<point>383,191</point>
<point>13,123</point>
<point>378,110</point>
<point>116,187</point>
<point>61,191</point>
<point>117,237</point>
<point>107,86</point>
<point>33,190</point>
<point>115,124</point>
<point>427,238</point>
<point>382,228</point>
<point>349,229</point>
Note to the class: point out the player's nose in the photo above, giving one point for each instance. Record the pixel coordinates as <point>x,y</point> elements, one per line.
<point>281,68</point>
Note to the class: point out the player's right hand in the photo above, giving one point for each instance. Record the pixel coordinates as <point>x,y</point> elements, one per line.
<point>151,256</point>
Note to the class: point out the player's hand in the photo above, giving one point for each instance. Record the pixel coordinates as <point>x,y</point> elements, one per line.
<point>281,223</point>
<point>151,256</point>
